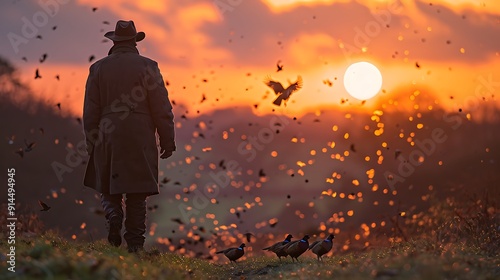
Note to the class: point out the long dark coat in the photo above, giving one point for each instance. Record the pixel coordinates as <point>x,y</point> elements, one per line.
<point>126,109</point>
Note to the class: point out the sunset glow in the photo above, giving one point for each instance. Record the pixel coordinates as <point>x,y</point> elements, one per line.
<point>413,43</point>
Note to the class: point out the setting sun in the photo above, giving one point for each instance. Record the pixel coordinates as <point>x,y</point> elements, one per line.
<point>362,80</point>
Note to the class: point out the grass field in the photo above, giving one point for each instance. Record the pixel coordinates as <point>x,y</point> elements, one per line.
<point>50,257</point>
<point>449,241</point>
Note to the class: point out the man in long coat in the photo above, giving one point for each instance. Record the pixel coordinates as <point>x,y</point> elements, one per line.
<point>126,109</point>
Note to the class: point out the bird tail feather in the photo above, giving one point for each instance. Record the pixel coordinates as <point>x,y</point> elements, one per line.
<point>278,100</point>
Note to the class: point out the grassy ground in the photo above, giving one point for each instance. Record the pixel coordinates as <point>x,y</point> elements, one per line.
<point>50,257</point>
<point>451,240</point>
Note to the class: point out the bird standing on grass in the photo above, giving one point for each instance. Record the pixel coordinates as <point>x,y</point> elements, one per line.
<point>277,247</point>
<point>322,247</point>
<point>284,93</point>
<point>297,247</point>
<point>233,253</point>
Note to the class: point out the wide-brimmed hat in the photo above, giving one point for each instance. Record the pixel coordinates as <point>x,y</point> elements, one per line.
<point>125,30</point>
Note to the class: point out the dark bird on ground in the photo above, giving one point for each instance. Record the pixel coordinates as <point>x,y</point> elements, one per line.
<point>278,66</point>
<point>37,74</point>
<point>233,253</point>
<point>284,93</point>
<point>277,247</point>
<point>322,247</point>
<point>44,206</point>
<point>297,247</point>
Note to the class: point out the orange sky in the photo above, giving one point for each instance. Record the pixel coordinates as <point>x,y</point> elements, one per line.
<point>234,45</point>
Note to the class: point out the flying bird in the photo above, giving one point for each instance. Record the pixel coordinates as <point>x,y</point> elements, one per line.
<point>233,253</point>
<point>44,206</point>
<point>278,66</point>
<point>322,247</point>
<point>92,57</point>
<point>284,93</point>
<point>397,153</point>
<point>20,152</point>
<point>297,247</point>
<point>29,146</point>
<point>177,220</point>
<point>43,58</point>
<point>353,148</point>
<point>37,74</point>
<point>261,173</point>
<point>249,235</point>
<point>277,247</point>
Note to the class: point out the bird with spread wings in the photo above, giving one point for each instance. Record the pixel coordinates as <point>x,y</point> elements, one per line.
<point>284,93</point>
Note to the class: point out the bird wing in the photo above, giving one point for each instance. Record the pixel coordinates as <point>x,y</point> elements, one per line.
<point>289,90</point>
<point>43,205</point>
<point>289,246</point>
<point>276,247</point>
<point>295,86</point>
<point>313,244</point>
<point>225,251</point>
<point>276,86</point>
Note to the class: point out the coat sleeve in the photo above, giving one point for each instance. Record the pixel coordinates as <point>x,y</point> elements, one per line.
<point>161,108</point>
<point>91,110</point>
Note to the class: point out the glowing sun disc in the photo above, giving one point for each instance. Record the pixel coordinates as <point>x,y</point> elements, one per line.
<point>362,80</point>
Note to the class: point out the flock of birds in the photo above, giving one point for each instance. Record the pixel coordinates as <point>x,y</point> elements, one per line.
<point>286,248</point>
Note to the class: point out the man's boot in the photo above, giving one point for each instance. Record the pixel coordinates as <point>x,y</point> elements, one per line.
<point>135,221</point>
<point>113,211</point>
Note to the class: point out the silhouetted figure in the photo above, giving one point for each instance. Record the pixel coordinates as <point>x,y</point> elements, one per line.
<point>126,105</point>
